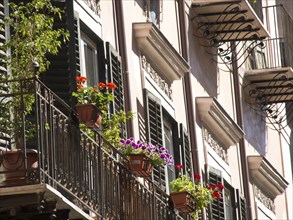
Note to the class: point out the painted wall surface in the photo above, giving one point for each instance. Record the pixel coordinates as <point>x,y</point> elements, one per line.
<point>209,80</point>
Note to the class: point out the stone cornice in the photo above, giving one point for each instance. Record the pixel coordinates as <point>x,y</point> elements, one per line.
<point>159,51</point>
<point>266,177</point>
<point>218,121</point>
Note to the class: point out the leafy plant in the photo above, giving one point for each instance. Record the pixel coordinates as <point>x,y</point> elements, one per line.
<point>156,155</point>
<point>102,95</point>
<point>202,195</point>
<point>32,39</point>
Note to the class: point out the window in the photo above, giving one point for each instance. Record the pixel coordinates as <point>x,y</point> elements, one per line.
<point>227,207</point>
<point>89,59</point>
<point>168,144</point>
<point>153,10</point>
<point>162,129</point>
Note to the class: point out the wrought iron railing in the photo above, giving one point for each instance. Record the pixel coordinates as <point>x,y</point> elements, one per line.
<point>92,173</point>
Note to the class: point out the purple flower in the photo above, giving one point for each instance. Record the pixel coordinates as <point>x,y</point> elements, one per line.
<point>128,141</point>
<point>162,149</point>
<point>143,147</point>
<point>122,141</point>
<point>162,156</point>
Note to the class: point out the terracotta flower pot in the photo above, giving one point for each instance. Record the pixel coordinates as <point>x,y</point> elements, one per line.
<point>140,165</point>
<point>89,115</point>
<point>183,201</point>
<point>13,164</point>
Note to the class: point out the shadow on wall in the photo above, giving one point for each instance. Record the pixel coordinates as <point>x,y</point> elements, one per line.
<point>205,68</point>
<point>255,128</point>
<point>289,109</point>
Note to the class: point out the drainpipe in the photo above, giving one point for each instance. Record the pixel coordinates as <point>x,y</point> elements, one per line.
<point>187,87</point>
<point>122,51</point>
<point>238,105</point>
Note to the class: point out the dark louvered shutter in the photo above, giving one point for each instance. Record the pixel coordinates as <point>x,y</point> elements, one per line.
<point>241,206</point>
<point>216,208</point>
<point>3,70</point>
<point>185,150</point>
<point>114,75</point>
<point>4,141</point>
<point>155,133</point>
<point>60,77</point>
<point>182,152</point>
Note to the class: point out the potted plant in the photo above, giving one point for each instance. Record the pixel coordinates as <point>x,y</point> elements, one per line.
<point>92,100</point>
<point>191,197</point>
<point>92,107</point>
<point>142,157</point>
<point>32,38</point>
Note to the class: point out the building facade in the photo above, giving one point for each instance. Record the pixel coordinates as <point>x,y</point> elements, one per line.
<point>210,80</point>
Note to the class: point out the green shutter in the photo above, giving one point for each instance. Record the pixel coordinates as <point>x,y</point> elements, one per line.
<point>154,127</point>
<point>64,67</point>
<point>241,206</point>
<point>216,208</point>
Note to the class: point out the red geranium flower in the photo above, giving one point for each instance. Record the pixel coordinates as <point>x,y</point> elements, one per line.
<point>111,85</point>
<point>81,79</point>
<point>79,86</point>
<point>220,186</point>
<point>217,195</point>
<point>96,90</point>
<point>211,187</point>
<point>179,166</point>
<point>197,176</point>
<point>102,85</point>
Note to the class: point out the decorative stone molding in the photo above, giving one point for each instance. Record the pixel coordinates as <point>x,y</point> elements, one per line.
<point>159,51</point>
<point>208,137</point>
<point>216,119</point>
<point>164,86</point>
<point>266,177</point>
<point>266,201</point>
<point>94,5</point>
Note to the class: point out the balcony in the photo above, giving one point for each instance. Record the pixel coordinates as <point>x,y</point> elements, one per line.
<point>73,176</point>
<point>227,25</point>
<point>227,21</point>
<point>268,83</point>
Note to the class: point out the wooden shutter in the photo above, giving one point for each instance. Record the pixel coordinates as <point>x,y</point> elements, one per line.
<point>64,67</point>
<point>114,75</point>
<point>241,206</point>
<point>155,132</point>
<point>216,208</point>
<point>4,141</point>
<point>182,152</point>
<point>3,70</point>
<point>185,151</point>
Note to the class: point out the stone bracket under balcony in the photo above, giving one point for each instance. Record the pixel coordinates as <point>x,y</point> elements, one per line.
<point>270,93</point>
<point>159,51</point>
<point>217,120</point>
<point>266,177</point>
<point>268,86</point>
<point>227,20</point>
